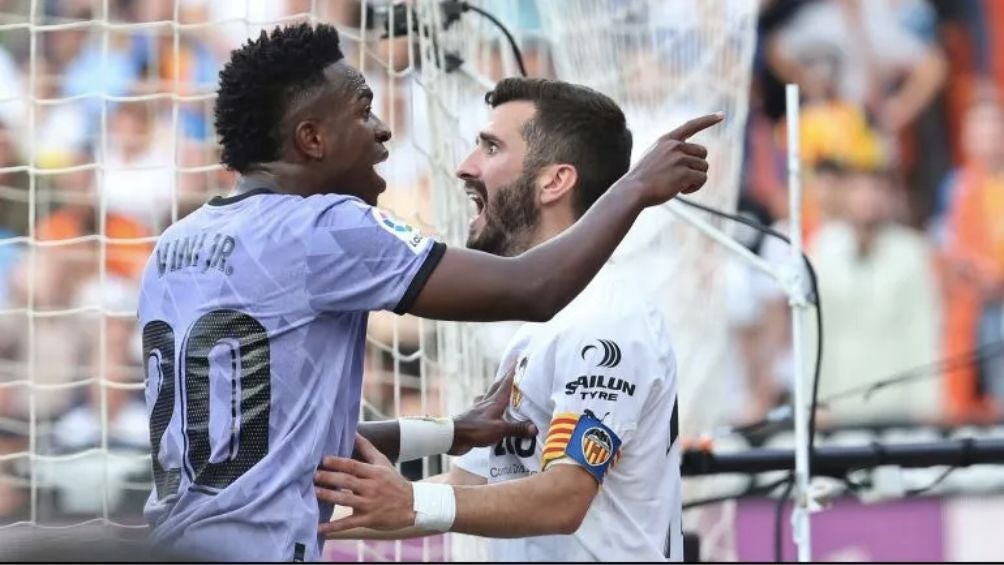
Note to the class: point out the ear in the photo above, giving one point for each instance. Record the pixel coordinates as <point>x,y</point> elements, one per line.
<point>556,181</point>
<point>308,140</point>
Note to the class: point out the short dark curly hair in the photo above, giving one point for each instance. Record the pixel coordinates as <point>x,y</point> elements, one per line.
<point>258,84</point>
<point>573,124</point>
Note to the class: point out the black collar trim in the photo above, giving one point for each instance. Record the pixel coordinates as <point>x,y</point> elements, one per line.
<point>225,200</point>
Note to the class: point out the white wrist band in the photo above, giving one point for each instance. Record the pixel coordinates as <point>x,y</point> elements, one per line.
<point>435,506</point>
<point>422,437</point>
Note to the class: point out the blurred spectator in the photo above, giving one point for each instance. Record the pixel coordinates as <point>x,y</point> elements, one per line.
<point>891,68</point>
<point>80,427</point>
<point>232,31</point>
<point>974,243</point>
<point>993,13</point>
<point>835,130</point>
<point>79,216</point>
<point>65,275</point>
<point>101,64</point>
<point>833,133</point>
<point>891,63</point>
<point>825,183</point>
<point>965,35</point>
<point>832,128</point>
<point>139,177</point>
<point>880,298</point>
<point>63,127</point>
<point>62,277</point>
<point>882,64</point>
<point>190,70</point>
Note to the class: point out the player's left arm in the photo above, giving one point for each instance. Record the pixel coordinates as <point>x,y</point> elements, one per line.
<point>589,425</point>
<point>549,503</point>
<point>553,502</point>
<point>482,425</point>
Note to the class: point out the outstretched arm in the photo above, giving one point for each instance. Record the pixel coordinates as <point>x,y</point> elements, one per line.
<point>382,499</point>
<point>513,509</point>
<point>474,286</point>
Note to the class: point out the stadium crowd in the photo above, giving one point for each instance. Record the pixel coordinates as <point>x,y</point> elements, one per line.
<point>902,144</point>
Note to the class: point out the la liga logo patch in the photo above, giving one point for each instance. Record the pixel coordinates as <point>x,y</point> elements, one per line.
<point>391,224</point>
<point>398,229</point>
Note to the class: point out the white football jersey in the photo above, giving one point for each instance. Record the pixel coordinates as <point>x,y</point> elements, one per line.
<point>599,382</point>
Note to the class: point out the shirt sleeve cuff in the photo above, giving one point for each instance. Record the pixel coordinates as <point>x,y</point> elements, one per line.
<point>421,277</point>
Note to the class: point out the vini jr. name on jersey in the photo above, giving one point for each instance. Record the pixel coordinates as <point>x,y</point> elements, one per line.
<point>203,252</point>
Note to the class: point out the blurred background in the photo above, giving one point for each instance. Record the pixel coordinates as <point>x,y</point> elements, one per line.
<point>106,137</point>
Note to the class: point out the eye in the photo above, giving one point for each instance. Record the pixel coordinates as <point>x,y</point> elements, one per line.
<point>368,112</point>
<point>489,147</point>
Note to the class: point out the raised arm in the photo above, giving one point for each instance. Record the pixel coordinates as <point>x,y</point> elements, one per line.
<point>474,286</point>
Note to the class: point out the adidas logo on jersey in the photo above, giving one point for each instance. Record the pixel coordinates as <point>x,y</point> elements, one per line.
<point>597,386</point>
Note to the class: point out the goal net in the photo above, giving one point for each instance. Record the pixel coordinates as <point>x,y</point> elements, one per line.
<point>106,138</point>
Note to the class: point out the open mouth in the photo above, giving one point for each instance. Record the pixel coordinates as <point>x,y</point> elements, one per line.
<point>476,200</point>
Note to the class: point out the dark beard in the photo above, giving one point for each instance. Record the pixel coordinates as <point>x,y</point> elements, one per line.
<point>510,219</point>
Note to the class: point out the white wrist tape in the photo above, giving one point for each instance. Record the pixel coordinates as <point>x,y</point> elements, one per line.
<point>422,437</point>
<point>435,506</point>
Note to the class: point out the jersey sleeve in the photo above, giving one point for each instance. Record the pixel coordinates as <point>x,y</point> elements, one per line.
<point>475,461</point>
<point>360,258</point>
<point>602,377</point>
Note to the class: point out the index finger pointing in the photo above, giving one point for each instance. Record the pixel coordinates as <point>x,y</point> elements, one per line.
<point>695,126</point>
